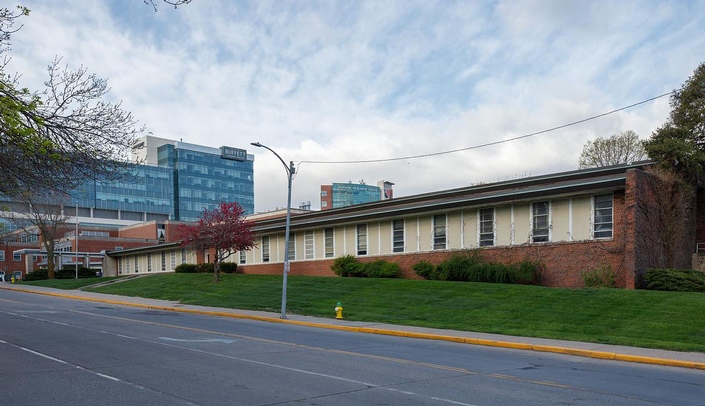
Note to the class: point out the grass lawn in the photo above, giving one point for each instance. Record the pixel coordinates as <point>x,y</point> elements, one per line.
<point>668,320</point>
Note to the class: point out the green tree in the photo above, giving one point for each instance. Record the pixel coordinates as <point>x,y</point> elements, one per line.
<point>680,143</point>
<point>616,149</point>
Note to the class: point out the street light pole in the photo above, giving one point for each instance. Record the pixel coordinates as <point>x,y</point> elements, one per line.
<point>290,171</point>
<point>76,240</point>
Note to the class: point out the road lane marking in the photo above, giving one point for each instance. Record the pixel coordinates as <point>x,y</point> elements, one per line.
<point>197,340</point>
<point>303,346</point>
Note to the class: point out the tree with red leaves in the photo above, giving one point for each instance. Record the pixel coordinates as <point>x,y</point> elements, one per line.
<point>224,229</point>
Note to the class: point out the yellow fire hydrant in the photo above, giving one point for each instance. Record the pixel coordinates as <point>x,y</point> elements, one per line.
<point>339,310</point>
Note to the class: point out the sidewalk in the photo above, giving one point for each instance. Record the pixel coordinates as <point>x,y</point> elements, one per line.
<point>694,360</point>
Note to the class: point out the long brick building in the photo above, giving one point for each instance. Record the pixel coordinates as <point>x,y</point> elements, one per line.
<point>570,222</point>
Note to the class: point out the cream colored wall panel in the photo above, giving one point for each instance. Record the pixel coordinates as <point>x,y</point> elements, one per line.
<point>470,229</point>
<point>339,241</point>
<point>350,241</point>
<point>411,231</point>
<point>522,223</point>
<point>319,244</point>
<point>503,225</point>
<point>582,215</point>
<point>454,231</point>
<point>425,233</point>
<point>373,238</point>
<point>385,229</point>
<point>560,220</point>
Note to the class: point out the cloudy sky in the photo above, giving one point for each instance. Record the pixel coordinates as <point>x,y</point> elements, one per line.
<point>342,81</point>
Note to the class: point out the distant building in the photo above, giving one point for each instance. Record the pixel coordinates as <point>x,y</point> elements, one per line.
<point>339,195</point>
<point>169,181</point>
<point>205,177</point>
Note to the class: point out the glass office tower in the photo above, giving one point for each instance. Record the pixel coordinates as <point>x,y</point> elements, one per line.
<point>204,177</point>
<point>170,180</point>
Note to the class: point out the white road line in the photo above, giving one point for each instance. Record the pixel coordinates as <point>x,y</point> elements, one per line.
<point>266,364</point>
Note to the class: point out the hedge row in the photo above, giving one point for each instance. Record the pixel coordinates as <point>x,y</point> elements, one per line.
<point>225,267</point>
<point>676,280</point>
<point>469,266</point>
<point>66,273</point>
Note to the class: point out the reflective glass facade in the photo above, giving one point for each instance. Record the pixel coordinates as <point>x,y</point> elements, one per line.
<point>203,180</point>
<point>174,181</point>
<point>146,189</point>
<point>177,184</point>
<point>347,194</point>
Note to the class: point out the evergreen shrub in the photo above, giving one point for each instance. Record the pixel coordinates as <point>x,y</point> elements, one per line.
<point>424,269</point>
<point>207,267</point>
<point>381,269</point>
<point>676,280</point>
<point>228,267</point>
<point>470,266</point>
<point>346,266</point>
<point>186,268</point>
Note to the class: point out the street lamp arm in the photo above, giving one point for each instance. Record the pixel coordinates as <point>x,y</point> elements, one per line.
<point>289,168</point>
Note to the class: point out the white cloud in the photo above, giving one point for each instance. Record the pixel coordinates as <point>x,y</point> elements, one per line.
<point>332,81</point>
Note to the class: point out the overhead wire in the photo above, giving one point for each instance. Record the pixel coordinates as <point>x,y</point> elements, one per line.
<point>363,161</point>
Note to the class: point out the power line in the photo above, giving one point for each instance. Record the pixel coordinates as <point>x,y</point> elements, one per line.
<point>490,143</point>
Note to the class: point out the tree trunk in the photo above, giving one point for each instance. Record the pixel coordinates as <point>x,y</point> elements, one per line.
<point>50,259</point>
<point>216,270</point>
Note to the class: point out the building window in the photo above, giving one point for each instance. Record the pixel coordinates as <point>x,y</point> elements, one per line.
<point>439,232</point>
<point>362,239</point>
<point>602,223</point>
<point>398,235</point>
<point>2,255</point>
<point>329,247</point>
<point>486,225</point>
<point>308,244</point>
<point>539,223</point>
<point>324,193</point>
<point>120,264</point>
<point>243,257</point>
<point>183,256</point>
<point>127,265</point>
<point>136,262</point>
<point>173,259</point>
<point>265,249</point>
<point>163,261</point>
<point>292,247</point>
<point>324,204</point>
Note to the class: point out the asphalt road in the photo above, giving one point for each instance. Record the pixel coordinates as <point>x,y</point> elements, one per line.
<point>56,351</point>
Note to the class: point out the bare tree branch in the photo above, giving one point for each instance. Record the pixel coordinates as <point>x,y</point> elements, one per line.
<point>175,3</point>
<point>617,149</point>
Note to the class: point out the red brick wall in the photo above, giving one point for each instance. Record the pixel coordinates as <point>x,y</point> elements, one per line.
<point>563,261</point>
<point>700,232</point>
<point>648,233</point>
<point>328,198</point>
<point>148,231</point>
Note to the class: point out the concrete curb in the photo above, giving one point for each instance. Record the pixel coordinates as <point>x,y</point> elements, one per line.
<point>401,333</point>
